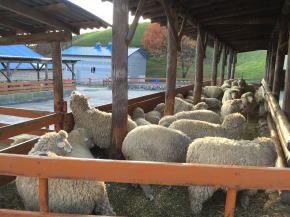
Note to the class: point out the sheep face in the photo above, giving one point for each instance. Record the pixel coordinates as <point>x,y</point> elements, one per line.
<point>62,145</point>
<point>81,136</point>
<point>234,121</point>
<point>79,102</point>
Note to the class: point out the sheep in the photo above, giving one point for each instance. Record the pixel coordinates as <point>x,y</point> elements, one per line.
<point>231,127</point>
<point>180,105</point>
<point>179,95</point>
<point>160,108</point>
<point>246,87</point>
<point>230,94</point>
<point>65,196</point>
<point>200,106</point>
<point>153,117</point>
<point>139,117</point>
<point>231,106</point>
<point>260,95</point>
<point>223,151</point>
<point>212,92</point>
<point>190,93</point>
<point>212,103</point>
<point>226,85</point>
<point>249,102</point>
<point>202,115</point>
<point>97,123</point>
<point>22,138</point>
<point>190,98</point>
<point>155,143</point>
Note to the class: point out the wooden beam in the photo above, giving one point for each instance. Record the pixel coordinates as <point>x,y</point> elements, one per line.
<point>36,38</point>
<point>266,76</point>
<point>20,27</point>
<point>286,98</point>
<point>233,69</point>
<point>215,63</point>
<point>134,25</point>
<point>59,103</point>
<point>171,64</point>
<point>182,28</point>
<point>119,77</point>
<point>280,58</point>
<point>40,16</point>
<point>272,62</point>
<point>243,21</point>
<point>231,55</point>
<point>171,22</point>
<point>223,66</point>
<point>199,57</point>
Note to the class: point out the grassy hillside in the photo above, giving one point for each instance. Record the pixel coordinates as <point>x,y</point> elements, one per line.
<point>249,65</point>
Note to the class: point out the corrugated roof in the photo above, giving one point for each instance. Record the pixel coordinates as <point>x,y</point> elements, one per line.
<point>98,51</point>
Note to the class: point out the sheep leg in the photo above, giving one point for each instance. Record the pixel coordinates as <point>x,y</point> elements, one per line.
<point>197,196</point>
<point>148,191</point>
<point>245,199</point>
<point>104,208</point>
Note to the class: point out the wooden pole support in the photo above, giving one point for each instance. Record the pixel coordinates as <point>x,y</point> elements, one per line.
<point>286,99</point>
<point>171,65</point>
<point>230,203</point>
<point>231,56</point>
<point>223,67</point>
<point>119,77</point>
<point>233,69</point>
<point>43,195</point>
<point>272,62</point>
<point>215,62</point>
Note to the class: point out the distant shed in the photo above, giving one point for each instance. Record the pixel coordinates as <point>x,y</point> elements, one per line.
<point>95,62</point>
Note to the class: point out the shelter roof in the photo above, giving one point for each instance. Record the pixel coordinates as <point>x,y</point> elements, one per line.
<point>244,25</point>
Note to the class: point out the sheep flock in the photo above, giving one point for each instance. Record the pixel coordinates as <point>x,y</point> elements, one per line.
<point>210,132</point>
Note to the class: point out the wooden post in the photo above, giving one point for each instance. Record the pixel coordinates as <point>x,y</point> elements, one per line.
<point>171,65</point>
<point>38,71</point>
<point>224,63</point>
<point>230,203</point>
<point>233,69</point>
<point>59,104</point>
<point>215,62</point>
<point>231,55</point>
<point>266,77</point>
<point>280,58</point>
<point>200,51</point>
<point>272,63</point>
<point>46,71</point>
<point>286,99</point>
<point>43,195</point>
<point>119,77</point>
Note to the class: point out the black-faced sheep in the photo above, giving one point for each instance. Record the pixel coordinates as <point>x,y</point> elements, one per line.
<point>155,143</point>
<point>65,196</point>
<point>231,127</point>
<point>96,122</point>
<point>222,151</point>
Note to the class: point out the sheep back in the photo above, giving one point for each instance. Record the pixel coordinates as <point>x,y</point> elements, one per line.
<point>212,92</point>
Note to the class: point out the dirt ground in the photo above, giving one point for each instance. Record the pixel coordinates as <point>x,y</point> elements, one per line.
<point>174,202</point>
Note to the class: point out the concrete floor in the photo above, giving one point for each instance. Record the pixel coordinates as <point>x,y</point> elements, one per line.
<point>97,96</point>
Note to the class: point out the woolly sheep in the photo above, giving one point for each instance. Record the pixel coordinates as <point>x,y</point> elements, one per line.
<point>97,123</point>
<point>212,92</point>
<point>246,87</point>
<point>226,84</point>
<point>231,106</point>
<point>155,143</point>
<point>65,196</point>
<point>231,127</point>
<point>139,117</point>
<point>21,138</point>
<point>179,95</point>
<point>230,94</point>
<point>222,151</point>
<point>153,117</point>
<point>181,105</point>
<point>200,106</point>
<point>160,108</point>
<point>260,95</point>
<point>212,103</point>
<point>189,97</point>
<point>167,120</point>
<point>188,100</point>
<point>249,102</point>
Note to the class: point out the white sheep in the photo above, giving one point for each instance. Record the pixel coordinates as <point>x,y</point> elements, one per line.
<point>160,108</point>
<point>230,94</point>
<point>179,95</point>
<point>181,105</point>
<point>222,151</point>
<point>22,138</point>
<point>65,196</point>
<point>97,123</point>
<point>212,103</point>
<point>139,117</point>
<point>202,115</point>
<point>249,102</point>
<point>231,127</point>
<point>212,92</point>
<point>155,143</point>
<point>226,85</point>
<point>231,106</point>
<point>153,117</point>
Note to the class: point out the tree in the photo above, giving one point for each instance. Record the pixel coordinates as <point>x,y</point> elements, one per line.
<point>155,41</point>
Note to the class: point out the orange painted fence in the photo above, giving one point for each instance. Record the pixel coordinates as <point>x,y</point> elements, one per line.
<point>33,86</point>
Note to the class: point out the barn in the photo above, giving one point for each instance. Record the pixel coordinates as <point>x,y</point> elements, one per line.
<point>95,62</point>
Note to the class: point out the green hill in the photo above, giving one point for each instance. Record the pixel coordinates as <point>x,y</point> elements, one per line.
<point>249,64</point>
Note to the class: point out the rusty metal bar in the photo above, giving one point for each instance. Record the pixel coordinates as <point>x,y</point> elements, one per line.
<point>230,203</point>
<point>152,172</point>
<point>43,195</point>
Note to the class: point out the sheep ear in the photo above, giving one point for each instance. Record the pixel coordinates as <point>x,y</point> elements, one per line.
<point>250,99</point>
<point>60,144</point>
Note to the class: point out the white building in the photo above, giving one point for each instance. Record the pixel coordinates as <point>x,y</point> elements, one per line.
<point>95,63</point>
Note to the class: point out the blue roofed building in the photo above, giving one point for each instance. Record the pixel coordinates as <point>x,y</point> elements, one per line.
<point>95,62</point>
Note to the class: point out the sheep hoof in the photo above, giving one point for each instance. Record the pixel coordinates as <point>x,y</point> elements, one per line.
<point>150,197</point>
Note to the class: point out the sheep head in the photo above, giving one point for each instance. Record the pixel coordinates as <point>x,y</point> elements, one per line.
<point>81,136</point>
<point>138,113</point>
<point>79,102</point>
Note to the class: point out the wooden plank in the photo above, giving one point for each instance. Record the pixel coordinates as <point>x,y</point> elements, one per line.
<point>23,112</point>
<point>27,126</point>
<point>152,172</point>
<point>36,38</point>
<point>215,63</point>
<point>286,98</point>
<point>280,58</point>
<point>34,14</point>
<point>199,56</point>
<point>172,48</point>
<point>119,77</point>
<point>21,213</point>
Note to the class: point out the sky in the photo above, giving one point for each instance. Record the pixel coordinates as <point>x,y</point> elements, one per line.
<point>104,10</point>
